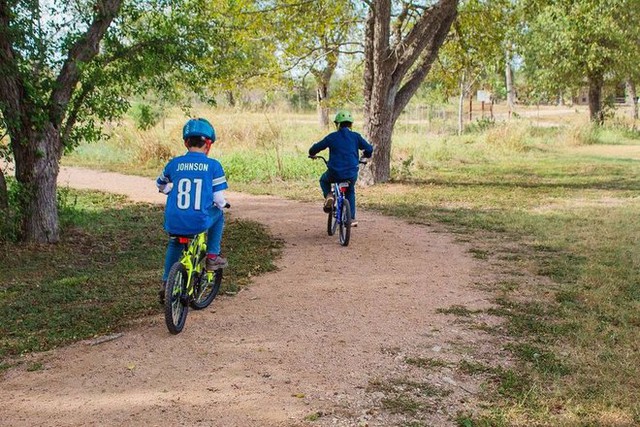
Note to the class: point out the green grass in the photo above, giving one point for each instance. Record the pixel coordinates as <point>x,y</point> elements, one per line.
<point>426,362</point>
<point>556,208</point>
<point>103,274</point>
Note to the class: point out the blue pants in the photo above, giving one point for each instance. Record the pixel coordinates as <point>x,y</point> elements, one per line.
<point>325,184</point>
<point>214,237</point>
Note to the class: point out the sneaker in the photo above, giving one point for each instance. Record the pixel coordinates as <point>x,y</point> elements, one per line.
<point>328,203</point>
<point>216,263</point>
<point>354,223</point>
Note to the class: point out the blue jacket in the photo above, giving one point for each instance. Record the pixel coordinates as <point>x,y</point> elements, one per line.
<point>344,145</point>
<point>195,177</point>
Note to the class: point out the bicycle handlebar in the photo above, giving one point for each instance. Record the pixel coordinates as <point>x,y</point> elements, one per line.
<point>326,163</point>
<point>318,157</point>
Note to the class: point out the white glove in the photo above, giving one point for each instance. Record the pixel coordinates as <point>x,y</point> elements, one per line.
<point>219,200</point>
<point>166,188</point>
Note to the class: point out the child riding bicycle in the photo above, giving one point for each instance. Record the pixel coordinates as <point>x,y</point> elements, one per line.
<point>194,184</point>
<point>344,145</point>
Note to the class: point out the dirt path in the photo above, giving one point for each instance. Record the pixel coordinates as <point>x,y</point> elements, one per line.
<point>306,339</point>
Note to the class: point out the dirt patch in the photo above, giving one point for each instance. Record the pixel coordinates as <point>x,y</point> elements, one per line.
<point>328,339</point>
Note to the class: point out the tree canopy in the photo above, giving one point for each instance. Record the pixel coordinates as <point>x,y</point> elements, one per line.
<point>67,67</point>
<point>569,44</point>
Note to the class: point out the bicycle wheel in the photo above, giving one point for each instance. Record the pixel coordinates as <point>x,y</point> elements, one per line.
<point>176,299</point>
<point>345,223</point>
<point>204,292</point>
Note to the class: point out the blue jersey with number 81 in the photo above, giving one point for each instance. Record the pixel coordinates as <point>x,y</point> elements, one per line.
<point>195,177</point>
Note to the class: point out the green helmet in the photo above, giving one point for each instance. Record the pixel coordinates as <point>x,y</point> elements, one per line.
<point>343,116</point>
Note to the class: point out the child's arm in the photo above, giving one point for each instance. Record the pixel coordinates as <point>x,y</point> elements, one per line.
<point>318,147</point>
<point>366,147</point>
<point>164,183</point>
<point>219,200</point>
<point>219,185</point>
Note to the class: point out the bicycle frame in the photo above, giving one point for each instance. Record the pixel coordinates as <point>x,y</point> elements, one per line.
<point>340,214</point>
<point>195,249</point>
<point>339,190</point>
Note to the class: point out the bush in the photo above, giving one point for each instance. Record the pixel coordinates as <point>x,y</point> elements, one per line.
<point>10,216</point>
<point>480,125</point>
<point>145,116</point>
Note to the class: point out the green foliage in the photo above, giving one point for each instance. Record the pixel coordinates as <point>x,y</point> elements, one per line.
<point>565,43</point>
<point>145,116</point>
<point>475,51</point>
<point>149,47</point>
<point>313,34</point>
<point>10,218</point>
<point>480,125</point>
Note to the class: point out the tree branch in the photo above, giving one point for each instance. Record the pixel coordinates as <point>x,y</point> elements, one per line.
<point>433,25</point>
<point>368,60</point>
<point>400,20</point>
<point>433,38</point>
<point>84,50</point>
<point>72,117</point>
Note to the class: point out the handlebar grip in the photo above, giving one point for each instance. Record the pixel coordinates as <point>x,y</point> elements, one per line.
<point>227,205</point>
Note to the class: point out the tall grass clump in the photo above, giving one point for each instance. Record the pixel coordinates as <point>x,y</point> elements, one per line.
<point>508,138</point>
<point>578,135</point>
<point>258,147</point>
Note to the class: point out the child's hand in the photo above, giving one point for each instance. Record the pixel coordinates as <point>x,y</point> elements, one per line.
<point>166,189</point>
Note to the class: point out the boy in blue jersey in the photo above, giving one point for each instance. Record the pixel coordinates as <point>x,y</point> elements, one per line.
<point>194,184</point>
<point>344,145</point>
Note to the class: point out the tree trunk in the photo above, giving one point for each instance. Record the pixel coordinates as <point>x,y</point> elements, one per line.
<point>323,79</point>
<point>322,95</point>
<point>632,98</point>
<point>596,115</point>
<point>37,158</point>
<point>463,94</point>
<point>379,133</point>
<point>4,195</point>
<point>35,128</point>
<point>393,73</point>
<point>511,92</point>
<point>231,99</point>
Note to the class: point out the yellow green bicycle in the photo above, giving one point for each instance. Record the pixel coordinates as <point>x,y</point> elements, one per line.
<point>189,284</point>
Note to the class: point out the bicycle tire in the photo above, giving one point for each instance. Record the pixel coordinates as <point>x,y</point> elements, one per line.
<point>176,299</point>
<point>205,292</point>
<point>345,223</point>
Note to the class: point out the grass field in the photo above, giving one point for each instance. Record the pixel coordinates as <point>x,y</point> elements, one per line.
<point>551,201</point>
<point>104,273</point>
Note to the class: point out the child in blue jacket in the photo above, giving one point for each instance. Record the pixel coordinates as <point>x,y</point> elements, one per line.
<point>194,184</point>
<point>344,145</point>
